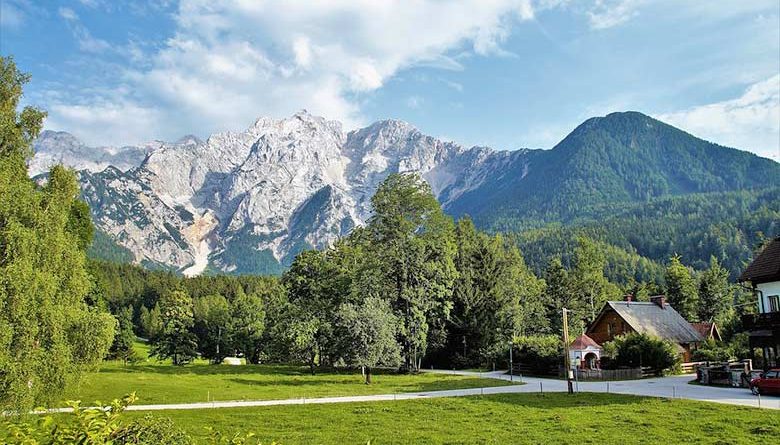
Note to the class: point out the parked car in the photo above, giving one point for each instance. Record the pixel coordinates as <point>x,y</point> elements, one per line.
<point>767,383</point>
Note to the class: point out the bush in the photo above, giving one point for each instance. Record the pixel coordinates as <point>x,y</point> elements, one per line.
<point>540,353</point>
<point>711,351</point>
<point>104,426</point>
<point>151,431</point>
<point>641,350</point>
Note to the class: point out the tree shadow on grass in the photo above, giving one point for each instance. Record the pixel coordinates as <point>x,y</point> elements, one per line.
<point>280,370</point>
<point>379,386</point>
<point>562,400</point>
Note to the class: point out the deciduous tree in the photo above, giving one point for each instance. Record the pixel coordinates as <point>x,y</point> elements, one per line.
<point>176,340</point>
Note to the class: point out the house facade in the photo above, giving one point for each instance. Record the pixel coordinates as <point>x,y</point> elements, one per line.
<point>763,277</point>
<point>656,318</point>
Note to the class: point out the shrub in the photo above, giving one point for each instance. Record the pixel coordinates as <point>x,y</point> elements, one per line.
<point>711,351</point>
<point>641,350</point>
<point>540,353</point>
<point>150,430</point>
<point>104,426</point>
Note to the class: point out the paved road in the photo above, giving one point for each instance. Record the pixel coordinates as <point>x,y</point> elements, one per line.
<point>670,387</point>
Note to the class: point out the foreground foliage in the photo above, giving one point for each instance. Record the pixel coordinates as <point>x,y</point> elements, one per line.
<point>105,426</point>
<point>48,332</point>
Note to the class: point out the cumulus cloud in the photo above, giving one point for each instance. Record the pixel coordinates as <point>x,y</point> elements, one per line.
<point>750,122</point>
<point>231,61</point>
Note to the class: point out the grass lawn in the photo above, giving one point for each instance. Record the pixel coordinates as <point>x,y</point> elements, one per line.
<point>500,419</point>
<point>157,382</point>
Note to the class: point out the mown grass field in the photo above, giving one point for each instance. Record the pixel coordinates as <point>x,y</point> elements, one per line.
<point>497,419</point>
<point>160,382</point>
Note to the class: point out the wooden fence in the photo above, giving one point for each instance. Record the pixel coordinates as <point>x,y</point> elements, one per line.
<point>612,374</point>
<point>584,374</point>
<point>690,367</point>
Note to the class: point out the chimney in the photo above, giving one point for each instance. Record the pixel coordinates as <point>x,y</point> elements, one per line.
<point>660,300</point>
<point>628,298</point>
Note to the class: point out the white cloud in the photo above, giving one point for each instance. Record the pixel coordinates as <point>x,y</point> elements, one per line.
<point>231,61</point>
<point>86,41</point>
<point>749,122</point>
<point>610,13</point>
<point>67,14</point>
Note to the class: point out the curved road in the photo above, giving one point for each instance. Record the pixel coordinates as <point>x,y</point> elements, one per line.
<point>669,387</point>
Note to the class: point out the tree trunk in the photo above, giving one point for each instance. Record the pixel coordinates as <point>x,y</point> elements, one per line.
<point>368,375</point>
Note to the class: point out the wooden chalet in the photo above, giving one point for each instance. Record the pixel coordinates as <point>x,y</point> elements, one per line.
<point>656,318</point>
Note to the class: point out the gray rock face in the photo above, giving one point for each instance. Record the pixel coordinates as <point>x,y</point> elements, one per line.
<point>247,202</point>
<point>59,147</point>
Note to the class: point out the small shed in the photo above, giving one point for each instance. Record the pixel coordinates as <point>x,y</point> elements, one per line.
<point>585,353</point>
<point>708,330</point>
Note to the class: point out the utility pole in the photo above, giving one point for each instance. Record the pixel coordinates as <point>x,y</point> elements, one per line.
<point>566,358</point>
<point>511,363</point>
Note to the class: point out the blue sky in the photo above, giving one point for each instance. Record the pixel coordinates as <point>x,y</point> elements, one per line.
<point>503,73</point>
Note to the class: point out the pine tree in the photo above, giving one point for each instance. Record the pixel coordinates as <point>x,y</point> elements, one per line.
<point>715,293</point>
<point>122,348</point>
<point>681,290</point>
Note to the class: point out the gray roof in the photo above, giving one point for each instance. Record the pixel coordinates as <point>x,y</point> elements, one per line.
<point>649,318</point>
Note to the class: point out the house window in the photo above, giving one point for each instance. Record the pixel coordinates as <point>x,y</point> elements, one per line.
<point>774,303</point>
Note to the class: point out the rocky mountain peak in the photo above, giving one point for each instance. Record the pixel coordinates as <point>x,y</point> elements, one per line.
<point>280,186</point>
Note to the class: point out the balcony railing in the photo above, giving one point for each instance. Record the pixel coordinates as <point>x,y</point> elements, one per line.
<point>769,320</point>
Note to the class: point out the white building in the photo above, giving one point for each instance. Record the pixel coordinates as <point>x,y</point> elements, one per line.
<point>763,276</point>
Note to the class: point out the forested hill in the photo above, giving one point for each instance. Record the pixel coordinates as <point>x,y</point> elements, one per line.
<point>639,238</point>
<point>606,163</point>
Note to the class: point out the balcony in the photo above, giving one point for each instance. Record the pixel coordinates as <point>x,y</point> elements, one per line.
<point>767,321</point>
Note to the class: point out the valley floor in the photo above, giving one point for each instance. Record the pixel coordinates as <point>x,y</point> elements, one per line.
<point>499,419</point>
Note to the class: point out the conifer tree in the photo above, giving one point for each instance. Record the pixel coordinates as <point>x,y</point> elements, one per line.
<point>681,290</point>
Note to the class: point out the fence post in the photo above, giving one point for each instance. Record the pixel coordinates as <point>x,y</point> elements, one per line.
<point>607,386</point>
<point>541,390</point>
<point>674,391</point>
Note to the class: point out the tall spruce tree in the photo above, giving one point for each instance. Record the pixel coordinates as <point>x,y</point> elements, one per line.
<point>495,296</point>
<point>588,279</point>
<point>716,296</point>
<point>122,348</point>
<point>681,290</point>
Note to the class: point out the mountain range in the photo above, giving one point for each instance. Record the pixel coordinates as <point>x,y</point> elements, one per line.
<point>248,202</point>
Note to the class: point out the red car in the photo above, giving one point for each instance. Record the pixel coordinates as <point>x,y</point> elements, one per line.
<point>768,383</point>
